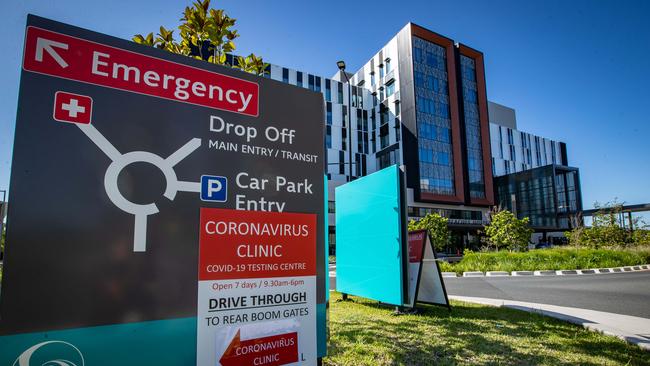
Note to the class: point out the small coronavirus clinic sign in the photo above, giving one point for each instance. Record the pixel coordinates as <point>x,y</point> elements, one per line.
<point>257,275</point>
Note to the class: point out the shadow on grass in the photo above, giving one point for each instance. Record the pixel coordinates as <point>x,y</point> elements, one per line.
<point>366,333</point>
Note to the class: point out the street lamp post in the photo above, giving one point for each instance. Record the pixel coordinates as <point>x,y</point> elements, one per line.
<point>3,205</point>
<point>341,66</point>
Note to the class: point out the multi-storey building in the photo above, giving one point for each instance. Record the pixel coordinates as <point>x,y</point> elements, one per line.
<point>419,102</point>
<point>532,176</point>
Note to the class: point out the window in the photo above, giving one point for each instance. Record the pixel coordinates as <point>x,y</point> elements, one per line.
<point>381,72</point>
<point>398,127</point>
<point>397,108</point>
<point>299,79</point>
<point>359,120</point>
<point>372,78</point>
<point>442,158</point>
<point>285,75</point>
<point>390,89</point>
<point>359,142</point>
<point>360,97</point>
<point>328,137</point>
<point>365,120</point>
<point>365,145</point>
<point>317,84</point>
<point>435,151</point>
<point>553,154</point>
<point>381,93</point>
<point>328,113</point>
<point>328,90</point>
<point>387,65</point>
<point>344,115</point>
<point>383,114</point>
<point>310,79</point>
<point>340,92</point>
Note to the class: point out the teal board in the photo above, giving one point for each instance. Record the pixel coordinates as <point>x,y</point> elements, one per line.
<point>369,230</point>
<point>160,342</point>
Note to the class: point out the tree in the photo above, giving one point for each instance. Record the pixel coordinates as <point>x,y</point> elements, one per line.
<point>436,226</point>
<point>206,34</point>
<point>506,231</point>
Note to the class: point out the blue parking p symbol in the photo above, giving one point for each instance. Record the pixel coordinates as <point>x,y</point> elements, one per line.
<point>214,188</point>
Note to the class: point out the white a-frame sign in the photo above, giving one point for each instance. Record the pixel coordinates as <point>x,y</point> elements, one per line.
<point>425,280</point>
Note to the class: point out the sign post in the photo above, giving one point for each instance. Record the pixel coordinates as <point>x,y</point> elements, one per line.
<point>163,202</point>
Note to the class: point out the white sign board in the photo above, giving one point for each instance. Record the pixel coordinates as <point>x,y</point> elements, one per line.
<point>256,293</point>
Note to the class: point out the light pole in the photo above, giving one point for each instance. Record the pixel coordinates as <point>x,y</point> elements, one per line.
<point>341,66</point>
<point>3,204</point>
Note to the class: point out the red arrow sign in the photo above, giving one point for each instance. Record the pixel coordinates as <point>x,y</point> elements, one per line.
<point>73,58</point>
<point>269,351</point>
<point>48,46</point>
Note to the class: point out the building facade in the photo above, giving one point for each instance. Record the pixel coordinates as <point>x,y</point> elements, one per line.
<point>514,151</point>
<point>421,102</point>
<point>549,196</point>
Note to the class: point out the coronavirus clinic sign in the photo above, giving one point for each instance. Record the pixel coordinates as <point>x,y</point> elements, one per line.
<point>164,210</point>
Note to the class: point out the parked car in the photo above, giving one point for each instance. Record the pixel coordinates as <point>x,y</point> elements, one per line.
<point>543,245</point>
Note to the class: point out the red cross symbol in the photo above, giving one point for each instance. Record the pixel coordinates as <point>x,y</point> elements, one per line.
<point>73,108</point>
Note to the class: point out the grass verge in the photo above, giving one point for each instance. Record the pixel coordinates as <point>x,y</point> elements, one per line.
<point>545,259</point>
<point>366,333</point>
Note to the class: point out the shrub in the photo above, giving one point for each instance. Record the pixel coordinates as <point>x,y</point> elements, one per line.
<point>641,237</point>
<point>549,259</point>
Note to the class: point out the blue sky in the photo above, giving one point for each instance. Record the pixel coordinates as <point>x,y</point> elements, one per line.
<point>575,71</point>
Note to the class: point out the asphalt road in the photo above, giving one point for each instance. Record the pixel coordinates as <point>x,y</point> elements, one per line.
<point>621,293</point>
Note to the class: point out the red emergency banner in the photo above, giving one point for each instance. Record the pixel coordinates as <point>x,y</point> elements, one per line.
<point>72,58</point>
<point>237,244</point>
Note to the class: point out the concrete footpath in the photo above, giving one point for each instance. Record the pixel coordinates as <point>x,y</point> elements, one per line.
<point>632,329</point>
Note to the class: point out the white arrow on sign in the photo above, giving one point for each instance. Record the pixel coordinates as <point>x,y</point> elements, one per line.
<point>48,46</point>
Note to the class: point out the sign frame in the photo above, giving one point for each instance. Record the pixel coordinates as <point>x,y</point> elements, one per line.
<point>427,241</point>
<point>103,319</point>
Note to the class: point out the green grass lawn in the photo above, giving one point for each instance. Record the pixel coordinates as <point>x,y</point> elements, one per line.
<point>366,333</point>
<point>543,259</point>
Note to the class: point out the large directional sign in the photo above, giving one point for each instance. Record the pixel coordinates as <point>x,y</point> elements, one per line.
<point>165,211</point>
